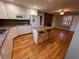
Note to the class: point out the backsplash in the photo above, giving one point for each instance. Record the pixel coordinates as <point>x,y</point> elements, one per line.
<point>12,22</point>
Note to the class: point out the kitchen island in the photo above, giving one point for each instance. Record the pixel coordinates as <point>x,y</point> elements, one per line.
<point>36,31</point>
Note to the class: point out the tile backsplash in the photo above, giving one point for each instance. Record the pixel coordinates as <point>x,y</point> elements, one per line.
<point>9,22</point>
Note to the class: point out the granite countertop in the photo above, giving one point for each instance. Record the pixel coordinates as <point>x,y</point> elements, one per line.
<point>3,35</point>
<point>42,28</point>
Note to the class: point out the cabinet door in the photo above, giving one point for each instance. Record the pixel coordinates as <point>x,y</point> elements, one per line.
<point>7,48</point>
<point>3,13</point>
<point>21,30</point>
<point>13,32</point>
<point>24,29</point>
<point>29,29</point>
<point>12,10</point>
<point>8,43</point>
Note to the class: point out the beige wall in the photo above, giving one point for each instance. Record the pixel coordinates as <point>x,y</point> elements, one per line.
<point>57,22</point>
<point>74,23</point>
<point>58,19</point>
<point>73,50</point>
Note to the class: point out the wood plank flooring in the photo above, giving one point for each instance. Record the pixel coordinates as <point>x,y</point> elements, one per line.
<point>55,48</point>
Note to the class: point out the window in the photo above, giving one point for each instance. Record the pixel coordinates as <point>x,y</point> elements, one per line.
<point>67,20</point>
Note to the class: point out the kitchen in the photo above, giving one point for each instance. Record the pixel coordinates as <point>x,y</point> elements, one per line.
<point>12,25</point>
<point>15,20</point>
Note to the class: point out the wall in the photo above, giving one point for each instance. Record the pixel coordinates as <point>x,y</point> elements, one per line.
<point>12,10</point>
<point>74,23</point>
<point>73,51</point>
<point>54,21</point>
<point>57,22</point>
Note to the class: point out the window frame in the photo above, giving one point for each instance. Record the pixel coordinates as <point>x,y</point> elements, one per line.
<point>66,21</point>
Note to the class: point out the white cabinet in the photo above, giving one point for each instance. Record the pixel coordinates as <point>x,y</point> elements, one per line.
<point>28,29</point>
<point>3,13</point>
<point>12,10</point>
<point>16,12</point>
<point>7,48</point>
<point>13,32</point>
<point>23,29</point>
<point>8,43</point>
<point>9,10</point>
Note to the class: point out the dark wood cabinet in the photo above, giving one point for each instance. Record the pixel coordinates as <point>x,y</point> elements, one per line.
<point>48,19</point>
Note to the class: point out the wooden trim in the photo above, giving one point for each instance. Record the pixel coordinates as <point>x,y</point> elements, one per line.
<point>22,35</point>
<point>63,29</point>
<point>15,38</point>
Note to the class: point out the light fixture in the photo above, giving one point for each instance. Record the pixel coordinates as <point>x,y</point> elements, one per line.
<point>61,13</point>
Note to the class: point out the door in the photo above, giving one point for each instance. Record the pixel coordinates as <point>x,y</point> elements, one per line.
<point>48,19</point>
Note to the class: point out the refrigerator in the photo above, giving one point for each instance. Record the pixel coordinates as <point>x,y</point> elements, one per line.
<point>35,21</point>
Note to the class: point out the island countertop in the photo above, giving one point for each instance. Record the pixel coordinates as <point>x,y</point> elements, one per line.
<point>42,28</point>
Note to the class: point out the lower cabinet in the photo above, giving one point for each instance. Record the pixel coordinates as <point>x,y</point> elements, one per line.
<point>23,29</point>
<point>28,29</point>
<point>6,49</point>
<point>8,43</point>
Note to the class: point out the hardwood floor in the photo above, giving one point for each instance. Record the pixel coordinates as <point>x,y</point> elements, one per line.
<point>55,48</point>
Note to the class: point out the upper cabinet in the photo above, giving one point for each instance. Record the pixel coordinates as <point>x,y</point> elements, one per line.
<point>3,13</point>
<point>17,12</point>
<point>13,11</point>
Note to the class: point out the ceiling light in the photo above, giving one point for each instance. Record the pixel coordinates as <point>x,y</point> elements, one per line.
<point>61,13</point>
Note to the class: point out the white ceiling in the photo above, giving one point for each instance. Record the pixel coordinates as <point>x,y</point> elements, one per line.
<point>49,5</point>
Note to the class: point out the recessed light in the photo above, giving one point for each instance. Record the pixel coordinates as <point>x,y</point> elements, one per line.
<point>11,0</point>
<point>50,0</point>
<point>35,6</point>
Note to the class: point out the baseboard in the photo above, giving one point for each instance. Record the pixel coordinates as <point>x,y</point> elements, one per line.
<point>63,29</point>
